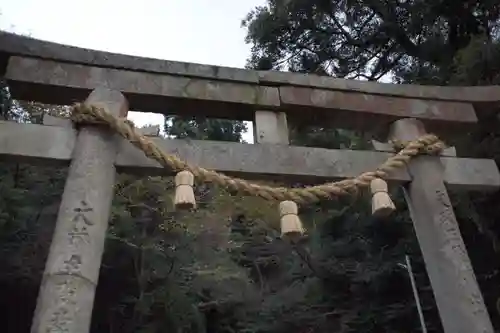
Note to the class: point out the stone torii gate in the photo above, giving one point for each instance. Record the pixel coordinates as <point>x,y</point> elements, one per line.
<point>59,74</point>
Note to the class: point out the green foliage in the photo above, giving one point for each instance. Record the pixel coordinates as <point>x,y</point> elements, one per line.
<point>416,40</point>
<point>477,63</point>
<point>175,266</point>
<point>201,128</point>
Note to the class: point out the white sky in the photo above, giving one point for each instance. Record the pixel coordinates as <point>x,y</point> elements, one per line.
<point>201,31</point>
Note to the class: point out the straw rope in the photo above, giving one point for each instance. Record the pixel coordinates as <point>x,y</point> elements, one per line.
<point>427,144</point>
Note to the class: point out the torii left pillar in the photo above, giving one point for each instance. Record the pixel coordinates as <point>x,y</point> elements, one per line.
<point>66,295</point>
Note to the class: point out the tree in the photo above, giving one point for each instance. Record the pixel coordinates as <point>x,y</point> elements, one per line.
<point>415,40</point>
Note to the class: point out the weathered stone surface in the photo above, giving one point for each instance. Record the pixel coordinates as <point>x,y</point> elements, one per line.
<point>57,313</point>
<point>20,45</point>
<point>458,297</point>
<point>267,161</point>
<point>11,44</point>
<point>71,273</point>
<point>270,127</point>
<point>36,143</point>
<point>259,161</point>
<point>51,144</point>
<point>62,83</point>
<point>457,94</point>
<point>145,91</point>
<point>374,104</point>
<point>49,120</point>
<point>151,130</point>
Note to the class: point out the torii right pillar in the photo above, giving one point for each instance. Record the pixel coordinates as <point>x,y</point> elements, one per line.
<point>459,300</point>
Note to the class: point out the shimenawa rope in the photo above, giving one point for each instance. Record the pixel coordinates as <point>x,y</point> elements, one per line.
<point>427,144</point>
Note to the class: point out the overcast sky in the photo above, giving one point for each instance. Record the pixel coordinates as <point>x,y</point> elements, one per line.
<point>201,31</point>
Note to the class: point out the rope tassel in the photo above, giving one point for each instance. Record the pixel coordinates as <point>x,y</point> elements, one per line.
<point>184,194</point>
<point>382,204</point>
<point>291,226</point>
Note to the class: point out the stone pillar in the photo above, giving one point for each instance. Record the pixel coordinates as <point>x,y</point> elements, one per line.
<point>66,295</point>
<point>459,300</point>
<point>270,127</point>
